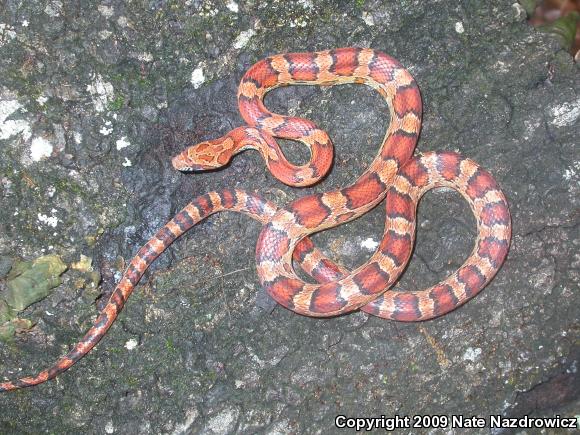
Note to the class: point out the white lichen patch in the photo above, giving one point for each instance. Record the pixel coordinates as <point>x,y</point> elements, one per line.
<point>51,221</point>
<point>369,244</point>
<point>224,421</point>
<point>123,21</point>
<point>42,99</point>
<point>459,27</point>
<point>520,12</point>
<point>127,163</point>
<point>122,143</point>
<point>109,428</point>
<point>298,22</point>
<point>243,38</point>
<point>209,10</point>
<point>197,77</point>
<point>472,354</point>
<point>573,171</point>
<point>40,148</point>
<point>11,127</point>
<point>106,129</point>
<point>566,114</point>
<point>106,11</point>
<point>7,33</point>
<point>368,19</point>
<point>232,6</point>
<point>145,57</point>
<point>131,344</point>
<point>105,34</point>
<point>101,92</point>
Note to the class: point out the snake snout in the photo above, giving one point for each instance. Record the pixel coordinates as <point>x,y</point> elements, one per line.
<point>200,158</point>
<point>182,163</point>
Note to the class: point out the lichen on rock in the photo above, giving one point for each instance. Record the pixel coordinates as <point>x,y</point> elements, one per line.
<point>31,281</point>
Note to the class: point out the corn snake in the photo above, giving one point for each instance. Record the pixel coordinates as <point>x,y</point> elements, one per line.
<point>393,174</point>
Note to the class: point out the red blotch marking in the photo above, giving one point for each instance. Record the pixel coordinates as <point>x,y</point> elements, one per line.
<point>132,275</point>
<point>294,128</point>
<point>371,279</point>
<point>480,183</point>
<point>399,146</point>
<point>364,191</point>
<point>345,61</point>
<point>472,279</point>
<point>147,254</point>
<point>283,290</point>
<point>326,299</point>
<point>406,100</point>
<point>380,72</point>
<point>495,213</point>
<point>272,244</point>
<point>397,247</point>
<point>400,205</point>
<point>448,165</point>
<point>326,271</point>
<point>280,168</point>
<point>310,211</point>
<point>280,247</point>
<point>254,205</point>
<point>302,66</point>
<point>492,249</point>
<point>250,109</point>
<point>406,308</point>
<point>415,172</point>
<point>374,307</point>
<point>443,298</point>
<point>228,198</point>
<point>262,74</point>
<point>204,204</point>
<point>382,67</point>
<point>303,248</point>
<point>224,156</point>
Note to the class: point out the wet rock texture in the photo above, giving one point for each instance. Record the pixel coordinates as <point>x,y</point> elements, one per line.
<point>95,97</point>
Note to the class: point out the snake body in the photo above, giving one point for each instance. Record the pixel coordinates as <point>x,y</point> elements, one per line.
<point>393,174</point>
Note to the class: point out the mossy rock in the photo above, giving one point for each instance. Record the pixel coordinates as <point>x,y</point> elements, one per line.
<point>6,313</point>
<point>8,329</point>
<point>31,281</point>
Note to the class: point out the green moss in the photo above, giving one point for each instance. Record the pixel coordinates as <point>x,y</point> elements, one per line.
<point>6,313</point>
<point>27,282</point>
<point>31,281</point>
<point>170,346</point>
<point>8,329</point>
<point>116,104</point>
<point>132,381</point>
<point>64,184</point>
<point>563,29</point>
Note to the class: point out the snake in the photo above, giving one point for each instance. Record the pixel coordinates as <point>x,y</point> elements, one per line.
<point>395,175</point>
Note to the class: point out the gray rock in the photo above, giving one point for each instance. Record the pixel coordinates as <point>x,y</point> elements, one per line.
<point>120,102</point>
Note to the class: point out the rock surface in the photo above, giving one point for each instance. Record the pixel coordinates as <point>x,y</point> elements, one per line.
<point>96,98</point>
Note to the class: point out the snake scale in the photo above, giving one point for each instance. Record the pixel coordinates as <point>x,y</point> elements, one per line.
<point>394,174</point>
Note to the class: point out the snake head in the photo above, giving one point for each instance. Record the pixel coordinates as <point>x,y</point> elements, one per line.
<point>204,156</point>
